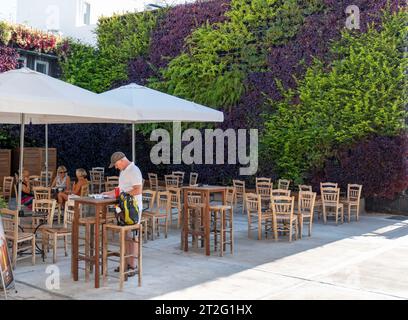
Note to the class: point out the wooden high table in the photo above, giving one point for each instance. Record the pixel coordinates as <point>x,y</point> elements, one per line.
<point>100,206</point>
<point>205,192</point>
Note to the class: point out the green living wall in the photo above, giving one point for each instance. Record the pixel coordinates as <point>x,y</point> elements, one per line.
<point>289,68</point>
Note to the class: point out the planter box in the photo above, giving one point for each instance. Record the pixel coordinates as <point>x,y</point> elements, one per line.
<point>5,164</point>
<point>397,206</point>
<point>34,160</point>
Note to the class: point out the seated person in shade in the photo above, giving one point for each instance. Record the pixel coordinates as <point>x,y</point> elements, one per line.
<point>63,183</point>
<point>27,193</point>
<point>81,180</point>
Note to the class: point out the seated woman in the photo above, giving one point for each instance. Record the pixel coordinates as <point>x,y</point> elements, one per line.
<point>27,194</point>
<point>76,189</point>
<point>63,183</point>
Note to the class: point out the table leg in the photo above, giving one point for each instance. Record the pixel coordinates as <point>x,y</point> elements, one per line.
<point>74,246</point>
<point>97,221</point>
<point>185,221</point>
<point>104,214</point>
<point>207,223</point>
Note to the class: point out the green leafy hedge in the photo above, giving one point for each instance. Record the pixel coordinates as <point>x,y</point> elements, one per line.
<point>219,56</point>
<point>361,93</point>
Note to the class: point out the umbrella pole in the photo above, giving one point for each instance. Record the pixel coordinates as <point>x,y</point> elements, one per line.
<point>20,175</point>
<point>46,155</point>
<point>133,143</point>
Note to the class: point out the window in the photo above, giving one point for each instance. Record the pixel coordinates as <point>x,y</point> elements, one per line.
<point>87,13</point>
<point>41,66</point>
<point>22,62</point>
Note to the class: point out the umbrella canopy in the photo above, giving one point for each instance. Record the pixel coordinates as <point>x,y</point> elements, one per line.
<point>155,106</point>
<point>46,100</point>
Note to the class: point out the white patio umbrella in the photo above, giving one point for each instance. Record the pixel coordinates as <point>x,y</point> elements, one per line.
<point>156,106</point>
<point>31,97</point>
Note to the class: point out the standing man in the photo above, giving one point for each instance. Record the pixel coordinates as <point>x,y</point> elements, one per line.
<point>131,182</point>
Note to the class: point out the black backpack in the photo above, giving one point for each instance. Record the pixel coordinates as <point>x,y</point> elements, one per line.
<point>128,213</point>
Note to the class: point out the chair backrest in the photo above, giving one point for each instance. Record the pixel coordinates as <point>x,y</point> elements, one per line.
<point>306,202</point>
<point>263,180</point>
<point>280,192</point>
<point>69,213</point>
<point>163,201</point>
<point>112,179</point>
<point>193,178</point>
<point>253,203</point>
<point>35,181</point>
<point>303,187</point>
<point>85,190</point>
<point>101,169</point>
<point>264,189</point>
<point>8,186</point>
<point>172,181</point>
<point>283,205</point>
<point>179,174</point>
<point>44,178</point>
<point>354,192</point>
<point>239,186</point>
<point>110,185</point>
<point>175,195</point>
<point>46,206</point>
<point>153,181</point>
<point>194,198</point>
<point>42,193</point>
<point>330,196</point>
<point>283,184</point>
<point>328,185</point>
<point>148,199</point>
<point>10,221</point>
<point>230,196</point>
<point>96,176</point>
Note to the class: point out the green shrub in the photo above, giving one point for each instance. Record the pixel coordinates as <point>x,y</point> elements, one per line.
<point>3,203</point>
<point>361,93</point>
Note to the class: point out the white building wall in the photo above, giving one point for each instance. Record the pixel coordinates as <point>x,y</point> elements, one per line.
<point>66,16</point>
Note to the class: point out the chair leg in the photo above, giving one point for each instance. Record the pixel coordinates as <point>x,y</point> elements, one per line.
<point>290,231</point>
<point>87,249</point>
<point>300,220</point>
<point>259,228</point>
<point>66,245</point>
<point>249,227</point>
<point>122,260</point>
<point>33,250</point>
<point>54,252</point>
<point>105,255</point>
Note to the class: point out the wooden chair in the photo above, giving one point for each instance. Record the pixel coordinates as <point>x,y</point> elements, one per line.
<point>172,181</point>
<point>35,181</point>
<point>96,180</point>
<point>319,202</point>
<point>43,178</point>
<point>193,178</point>
<point>303,187</point>
<point>179,174</point>
<point>55,232</point>
<point>43,211</point>
<point>283,214</point>
<point>283,184</point>
<point>239,186</point>
<point>264,189</point>
<point>111,183</point>
<point>258,219</point>
<point>42,193</point>
<point>353,200</point>
<point>175,203</point>
<point>17,238</point>
<point>153,181</point>
<point>331,202</point>
<point>159,216</point>
<point>7,189</point>
<point>222,221</point>
<point>306,202</point>
<point>149,199</point>
<point>280,192</point>
<point>136,230</point>
<point>263,180</point>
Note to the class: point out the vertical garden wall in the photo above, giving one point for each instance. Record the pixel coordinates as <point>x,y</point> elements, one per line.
<point>330,103</point>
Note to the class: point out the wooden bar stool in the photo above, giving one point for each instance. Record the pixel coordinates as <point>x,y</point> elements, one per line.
<point>222,221</point>
<point>123,232</point>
